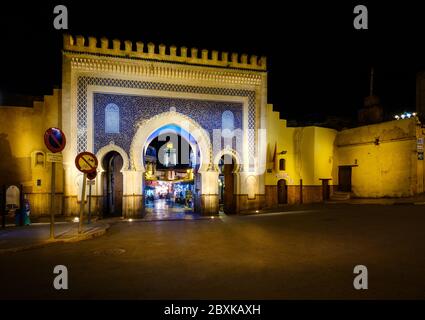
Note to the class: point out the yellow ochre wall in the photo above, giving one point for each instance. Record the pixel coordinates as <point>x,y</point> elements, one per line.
<point>309,156</point>
<point>387,167</point>
<point>386,158</point>
<point>21,136</point>
<point>309,152</point>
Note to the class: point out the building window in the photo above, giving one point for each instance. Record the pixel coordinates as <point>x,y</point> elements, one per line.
<point>227,124</point>
<point>112,118</point>
<point>282,164</point>
<point>39,159</point>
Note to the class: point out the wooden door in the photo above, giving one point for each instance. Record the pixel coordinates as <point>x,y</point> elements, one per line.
<point>117,185</point>
<point>113,184</point>
<point>344,178</point>
<point>282,192</point>
<point>229,187</point>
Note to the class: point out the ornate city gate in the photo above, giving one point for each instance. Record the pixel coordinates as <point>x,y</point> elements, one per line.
<point>114,98</point>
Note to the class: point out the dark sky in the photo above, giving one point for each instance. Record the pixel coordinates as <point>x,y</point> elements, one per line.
<point>317,62</point>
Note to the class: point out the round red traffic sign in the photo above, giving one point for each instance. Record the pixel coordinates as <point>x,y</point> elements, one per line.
<point>54,139</point>
<point>86,162</point>
<point>91,175</point>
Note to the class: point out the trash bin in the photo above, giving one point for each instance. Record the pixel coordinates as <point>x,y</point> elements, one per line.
<point>22,215</point>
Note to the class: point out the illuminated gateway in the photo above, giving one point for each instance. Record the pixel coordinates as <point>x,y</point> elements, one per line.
<point>193,129</point>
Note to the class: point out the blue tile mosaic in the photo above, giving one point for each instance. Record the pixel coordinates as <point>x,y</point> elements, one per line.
<point>133,109</point>
<point>84,81</point>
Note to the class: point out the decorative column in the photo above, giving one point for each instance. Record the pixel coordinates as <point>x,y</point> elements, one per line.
<point>133,201</point>
<point>206,189</point>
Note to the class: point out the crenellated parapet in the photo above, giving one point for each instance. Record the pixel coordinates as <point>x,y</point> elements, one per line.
<point>150,51</point>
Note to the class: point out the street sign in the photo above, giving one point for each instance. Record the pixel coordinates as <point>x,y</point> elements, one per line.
<point>54,157</point>
<point>54,139</point>
<point>86,162</point>
<point>91,176</point>
<point>420,145</point>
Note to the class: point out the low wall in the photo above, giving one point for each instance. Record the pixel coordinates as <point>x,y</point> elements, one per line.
<point>244,203</point>
<point>310,194</point>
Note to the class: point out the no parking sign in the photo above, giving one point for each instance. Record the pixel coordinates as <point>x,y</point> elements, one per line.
<point>54,139</point>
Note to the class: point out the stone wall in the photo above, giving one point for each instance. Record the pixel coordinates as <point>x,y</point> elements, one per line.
<point>384,159</point>
<point>23,159</point>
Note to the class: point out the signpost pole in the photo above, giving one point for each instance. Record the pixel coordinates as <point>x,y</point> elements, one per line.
<point>21,205</point>
<point>3,208</point>
<point>87,163</point>
<point>83,192</point>
<point>52,200</point>
<point>55,141</point>
<point>90,183</point>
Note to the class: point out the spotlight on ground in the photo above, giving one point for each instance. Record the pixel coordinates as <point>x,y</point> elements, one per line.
<point>76,219</point>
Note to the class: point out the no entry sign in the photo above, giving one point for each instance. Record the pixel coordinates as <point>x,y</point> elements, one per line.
<point>54,139</point>
<point>86,162</point>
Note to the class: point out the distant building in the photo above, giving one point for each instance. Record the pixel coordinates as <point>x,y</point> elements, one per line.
<point>372,112</point>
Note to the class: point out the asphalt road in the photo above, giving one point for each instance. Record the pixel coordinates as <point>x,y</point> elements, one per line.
<point>307,254</point>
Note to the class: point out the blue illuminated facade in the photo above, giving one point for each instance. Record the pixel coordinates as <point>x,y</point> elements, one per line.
<point>133,109</point>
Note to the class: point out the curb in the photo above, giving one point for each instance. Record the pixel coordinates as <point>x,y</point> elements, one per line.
<point>47,243</point>
<point>165,219</point>
<point>377,203</point>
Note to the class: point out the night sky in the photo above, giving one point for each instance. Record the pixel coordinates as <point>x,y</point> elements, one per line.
<point>318,63</point>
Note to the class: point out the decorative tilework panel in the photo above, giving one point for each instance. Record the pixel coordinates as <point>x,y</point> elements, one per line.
<point>85,81</point>
<point>135,108</point>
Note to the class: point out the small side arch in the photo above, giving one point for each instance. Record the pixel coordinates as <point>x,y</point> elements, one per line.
<point>112,147</point>
<point>238,160</point>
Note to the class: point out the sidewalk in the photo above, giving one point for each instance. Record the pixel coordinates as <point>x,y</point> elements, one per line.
<point>415,200</point>
<point>14,239</point>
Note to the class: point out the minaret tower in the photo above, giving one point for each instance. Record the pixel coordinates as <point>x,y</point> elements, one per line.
<point>372,111</point>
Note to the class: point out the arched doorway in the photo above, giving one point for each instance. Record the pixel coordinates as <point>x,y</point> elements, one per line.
<point>206,186</point>
<point>112,162</point>
<point>171,158</point>
<point>226,184</point>
<point>282,191</point>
